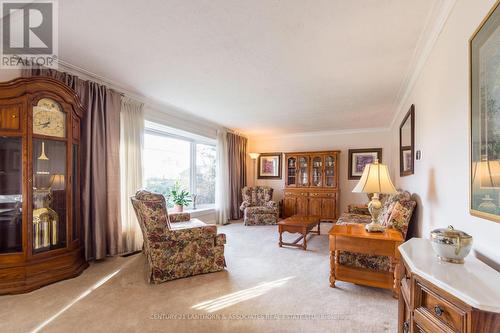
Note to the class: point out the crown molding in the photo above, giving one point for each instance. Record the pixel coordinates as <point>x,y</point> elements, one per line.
<point>436,19</point>
<point>154,104</point>
<point>265,136</point>
<point>237,132</point>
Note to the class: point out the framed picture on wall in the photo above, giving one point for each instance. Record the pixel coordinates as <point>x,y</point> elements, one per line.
<point>269,166</point>
<point>358,158</point>
<point>485,118</point>
<point>407,143</point>
<point>407,158</point>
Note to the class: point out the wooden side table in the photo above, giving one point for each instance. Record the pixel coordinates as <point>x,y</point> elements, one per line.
<point>354,238</point>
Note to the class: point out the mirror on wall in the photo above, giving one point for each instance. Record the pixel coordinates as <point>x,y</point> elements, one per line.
<point>407,143</point>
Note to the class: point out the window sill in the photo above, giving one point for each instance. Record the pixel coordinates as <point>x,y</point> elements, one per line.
<point>200,211</point>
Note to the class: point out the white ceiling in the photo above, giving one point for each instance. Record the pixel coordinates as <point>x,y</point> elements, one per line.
<point>259,66</point>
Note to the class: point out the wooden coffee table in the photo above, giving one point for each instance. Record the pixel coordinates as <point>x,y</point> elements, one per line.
<point>354,238</point>
<point>298,224</point>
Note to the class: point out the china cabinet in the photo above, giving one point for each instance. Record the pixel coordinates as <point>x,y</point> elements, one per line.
<point>41,237</point>
<point>311,184</point>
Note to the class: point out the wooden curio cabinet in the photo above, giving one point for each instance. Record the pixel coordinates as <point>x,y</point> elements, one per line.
<point>41,236</point>
<point>291,170</point>
<point>311,184</point>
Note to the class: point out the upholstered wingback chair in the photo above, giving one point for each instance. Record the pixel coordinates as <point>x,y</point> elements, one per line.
<point>176,245</point>
<point>397,211</point>
<point>258,207</point>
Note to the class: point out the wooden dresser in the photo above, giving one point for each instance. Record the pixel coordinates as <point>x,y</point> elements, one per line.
<point>312,184</point>
<point>438,296</point>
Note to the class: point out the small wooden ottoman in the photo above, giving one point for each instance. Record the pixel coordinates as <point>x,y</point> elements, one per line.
<point>298,224</point>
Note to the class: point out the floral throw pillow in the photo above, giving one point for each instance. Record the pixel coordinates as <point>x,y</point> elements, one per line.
<point>401,215</point>
<point>385,214</point>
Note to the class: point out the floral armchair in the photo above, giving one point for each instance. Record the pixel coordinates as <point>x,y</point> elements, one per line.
<point>176,246</point>
<point>397,210</point>
<point>258,207</point>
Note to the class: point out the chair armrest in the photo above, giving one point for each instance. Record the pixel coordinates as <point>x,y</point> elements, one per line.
<point>191,234</point>
<point>179,217</point>
<point>176,246</point>
<point>220,239</point>
<point>271,204</point>
<point>244,205</point>
<point>358,209</point>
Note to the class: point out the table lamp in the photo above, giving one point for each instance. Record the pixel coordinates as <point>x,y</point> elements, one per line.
<point>57,182</point>
<point>376,180</point>
<point>486,176</point>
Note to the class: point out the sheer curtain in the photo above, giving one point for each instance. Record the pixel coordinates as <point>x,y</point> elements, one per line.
<point>131,148</point>
<point>222,179</point>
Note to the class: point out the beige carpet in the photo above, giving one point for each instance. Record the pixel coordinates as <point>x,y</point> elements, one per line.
<point>265,289</point>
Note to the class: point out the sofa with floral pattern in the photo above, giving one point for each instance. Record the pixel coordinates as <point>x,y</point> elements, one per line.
<point>176,245</point>
<point>397,210</point>
<point>258,207</point>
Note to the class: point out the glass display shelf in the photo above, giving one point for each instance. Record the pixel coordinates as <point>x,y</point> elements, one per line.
<point>303,171</point>
<point>292,171</point>
<point>317,169</point>
<point>11,199</point>
<point>330,171</point>
<point>49,195</point>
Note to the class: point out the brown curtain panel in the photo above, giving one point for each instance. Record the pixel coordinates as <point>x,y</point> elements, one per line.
<point>100,163</point>
<point>237,150</point>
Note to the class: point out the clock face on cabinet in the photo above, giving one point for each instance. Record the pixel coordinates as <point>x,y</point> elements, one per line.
<point>49,119</point>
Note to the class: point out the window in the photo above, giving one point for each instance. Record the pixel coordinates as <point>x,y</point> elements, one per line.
<point>170,157</point>
<point>205,174</point>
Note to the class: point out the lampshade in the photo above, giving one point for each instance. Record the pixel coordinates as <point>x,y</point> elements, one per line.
<point>58,182</point>
<point>375,179</point>
<point>253,156</point>
<point>486,173</point>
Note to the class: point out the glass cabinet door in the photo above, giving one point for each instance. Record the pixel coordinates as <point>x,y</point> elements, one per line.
<point>303,171</point>
<point>75,194</point>
<point>291,165</point>
<point>317,171</point>
<point>11,199</point>
<point>49,195</point>
<point>330,177</point>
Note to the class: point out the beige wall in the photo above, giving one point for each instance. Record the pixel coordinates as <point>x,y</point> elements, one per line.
<point>9,74</point>
<point>441,177</point>
<point>441,99</point>
<point>317,142</point>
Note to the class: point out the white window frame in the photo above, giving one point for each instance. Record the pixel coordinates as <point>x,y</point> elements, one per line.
<point>154,128</point>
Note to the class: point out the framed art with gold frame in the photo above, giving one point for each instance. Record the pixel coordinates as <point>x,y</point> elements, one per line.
<point>484,57</point>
